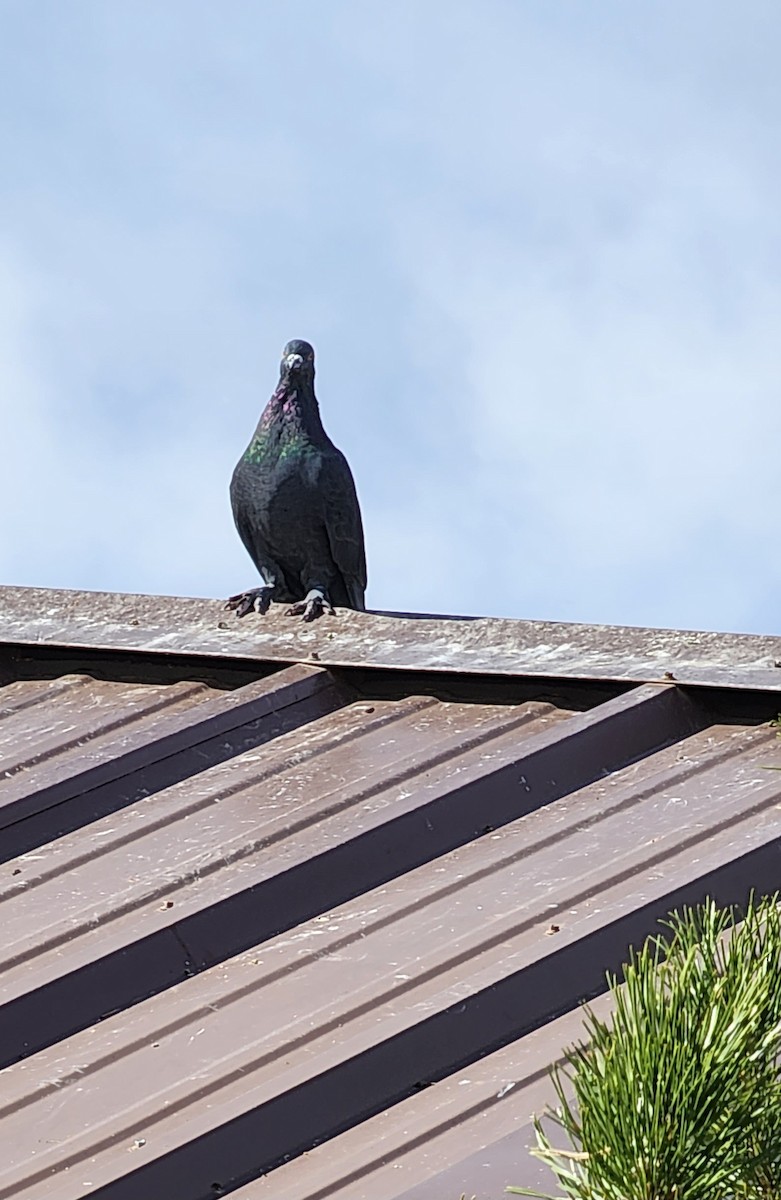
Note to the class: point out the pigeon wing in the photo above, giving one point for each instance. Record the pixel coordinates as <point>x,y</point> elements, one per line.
<point>344,527</point>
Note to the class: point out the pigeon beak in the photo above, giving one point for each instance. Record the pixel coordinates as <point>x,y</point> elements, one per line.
<point>294,362</point>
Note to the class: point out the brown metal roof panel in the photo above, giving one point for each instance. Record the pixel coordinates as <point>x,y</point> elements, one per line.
<point>84,781</point>
<point>485,1173</point>
<point>498,944</point>
<point>269,874</point>
<point>73,717</point>
<point>291,1122</point>
<point>252,816</point>
<point>164,625</point>
<point>430,1133</point>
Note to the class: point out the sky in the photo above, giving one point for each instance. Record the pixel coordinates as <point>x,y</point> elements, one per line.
<point>535,243</point>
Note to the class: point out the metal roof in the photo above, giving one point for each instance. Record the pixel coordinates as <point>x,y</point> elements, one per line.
<point>33,617</point>
<point>289,931</point>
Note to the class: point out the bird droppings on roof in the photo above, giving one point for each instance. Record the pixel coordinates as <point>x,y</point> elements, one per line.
<point>486,645</point>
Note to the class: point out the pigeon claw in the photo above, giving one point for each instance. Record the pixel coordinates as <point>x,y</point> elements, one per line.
<point>255,600</point>
<point>311,607</point>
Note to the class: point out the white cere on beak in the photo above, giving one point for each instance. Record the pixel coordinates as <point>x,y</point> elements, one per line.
<point>294,360</point>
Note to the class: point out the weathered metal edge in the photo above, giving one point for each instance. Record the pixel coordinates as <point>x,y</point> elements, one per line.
<point>482,645</point>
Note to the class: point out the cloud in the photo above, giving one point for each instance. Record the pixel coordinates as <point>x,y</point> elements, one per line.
<point>607,271</point>
<point>537,253</point>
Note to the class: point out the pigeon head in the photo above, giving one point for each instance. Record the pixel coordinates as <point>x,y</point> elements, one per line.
<point>298,362</point>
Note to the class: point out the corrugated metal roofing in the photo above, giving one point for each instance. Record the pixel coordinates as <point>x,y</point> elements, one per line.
<point>320,934</point>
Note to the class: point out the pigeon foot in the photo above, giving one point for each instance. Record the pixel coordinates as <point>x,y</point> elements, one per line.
<point>255,600</point>
<point>312,606</point>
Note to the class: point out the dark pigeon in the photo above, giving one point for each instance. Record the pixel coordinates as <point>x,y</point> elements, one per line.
<point>295,505</point>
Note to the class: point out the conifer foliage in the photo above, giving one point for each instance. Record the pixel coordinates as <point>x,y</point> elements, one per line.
<point>678,1097</point>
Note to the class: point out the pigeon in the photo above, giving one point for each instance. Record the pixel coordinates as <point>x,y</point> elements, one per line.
<point>295,505</point>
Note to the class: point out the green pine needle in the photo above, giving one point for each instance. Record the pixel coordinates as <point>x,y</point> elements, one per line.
<point>679,1097</point>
